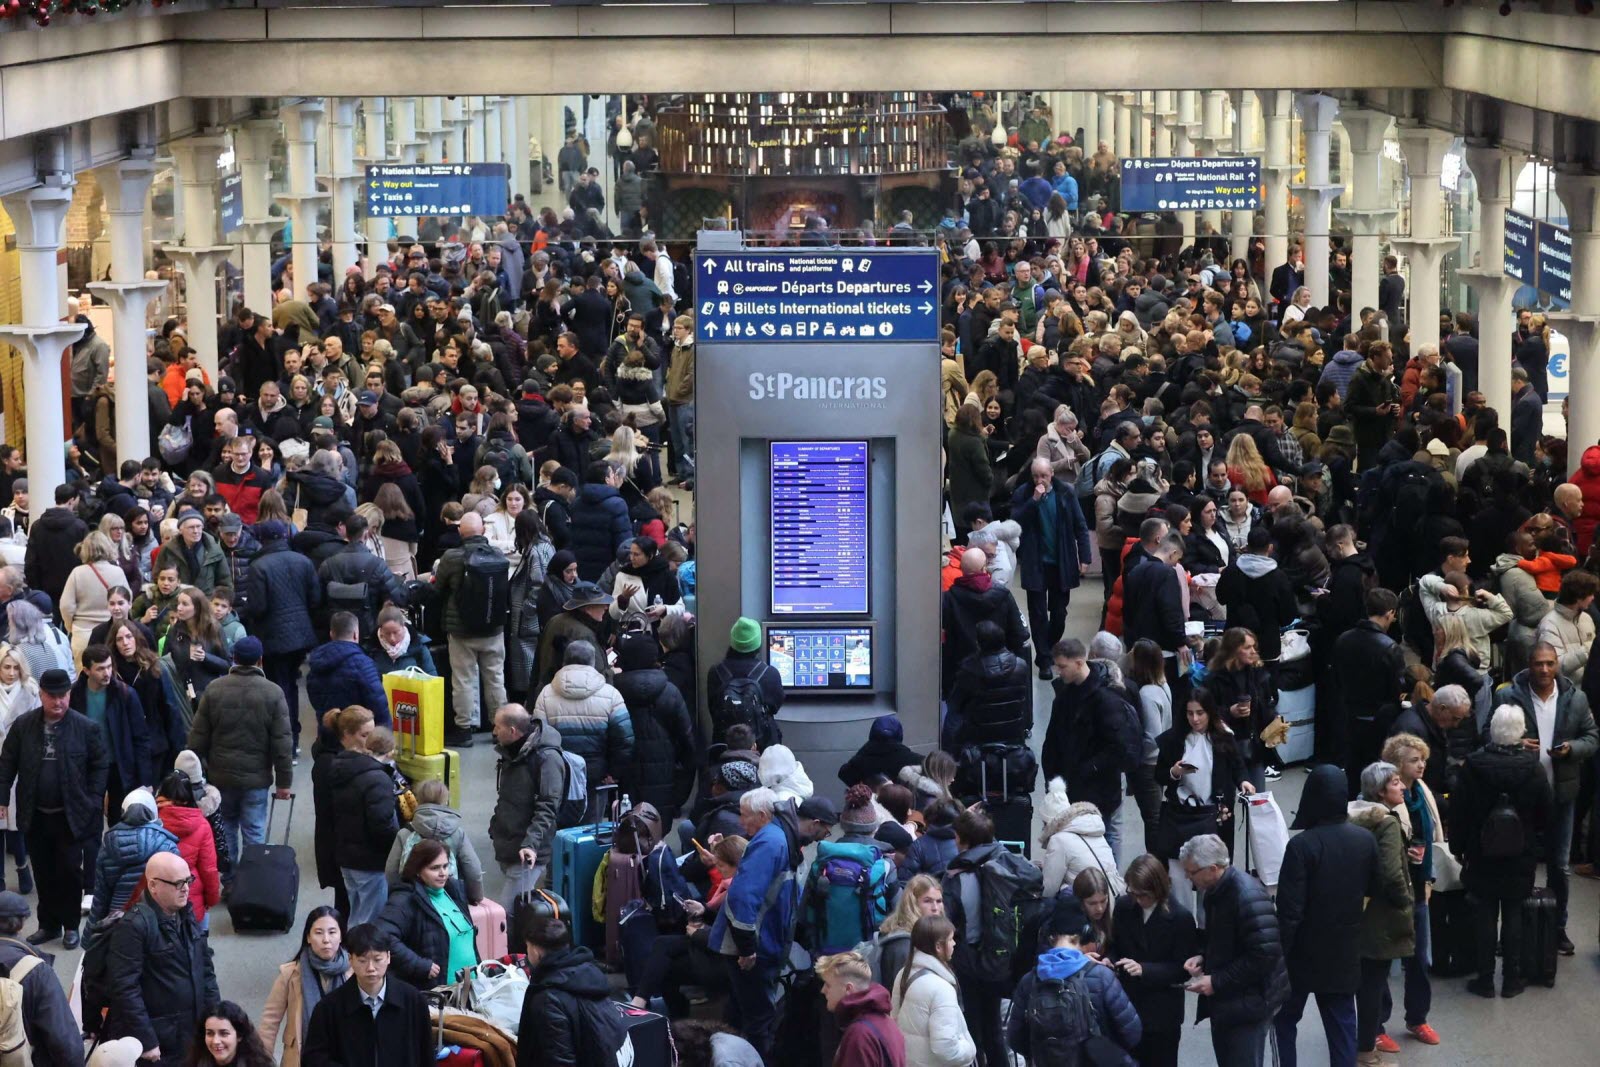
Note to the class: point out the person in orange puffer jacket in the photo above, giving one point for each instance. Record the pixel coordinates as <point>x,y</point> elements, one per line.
<point>1547,568</point>
<point>1130,555</point>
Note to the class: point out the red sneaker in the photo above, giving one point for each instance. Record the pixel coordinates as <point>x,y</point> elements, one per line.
<point>1424,1033</point>
<point>1386,1044</point>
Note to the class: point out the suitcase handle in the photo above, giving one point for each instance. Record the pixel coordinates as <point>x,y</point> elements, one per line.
<point>287,822</point>
<point>599,807</point>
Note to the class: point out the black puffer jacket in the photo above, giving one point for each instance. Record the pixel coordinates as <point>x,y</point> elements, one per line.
<point>1488,773</point>
<point>1085,742</point>
<point>356,565</point>
<point>599,527</point>
<point>1243,954</point>
<point>1328,871</point>
<point>663,738</point>
<point>993,684</point>
<point>420,939</point>
<point>317,493</point>
<point>364,822</point>
<point>160,979</point>
<point>884,753</point>
<point>567,1016</point>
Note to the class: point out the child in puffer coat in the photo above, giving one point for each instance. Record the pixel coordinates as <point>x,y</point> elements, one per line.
<point>181,815</point>
<point>124,851</point>
<point>209,800</point>
<point>435,820</point>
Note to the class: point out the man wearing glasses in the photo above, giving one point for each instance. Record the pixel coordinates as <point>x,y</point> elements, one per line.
<point>58,761</point>
<point>159,980</point>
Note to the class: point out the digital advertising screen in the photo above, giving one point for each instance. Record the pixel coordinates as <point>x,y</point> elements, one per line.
<point>826,657</point>
<point>820,551</point>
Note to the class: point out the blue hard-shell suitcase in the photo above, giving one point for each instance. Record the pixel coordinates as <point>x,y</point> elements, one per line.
<point>578,852</point>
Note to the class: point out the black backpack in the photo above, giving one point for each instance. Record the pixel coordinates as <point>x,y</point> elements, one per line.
<point>1501,836</point>
<point>1061,1023</point>
<point>498,455</point>
<point>1010,900</point>
<point>743,704</point>
<point>483,601</point>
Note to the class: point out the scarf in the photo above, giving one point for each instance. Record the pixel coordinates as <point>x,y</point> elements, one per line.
<point>978,583</point>
<point>399,648</point>
<point>317,977</point>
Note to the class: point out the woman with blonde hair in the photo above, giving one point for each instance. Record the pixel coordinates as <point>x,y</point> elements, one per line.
<point>625,450</point>
<point>1248,471</point>
<point>123,553</point>
<point>84,598</point>
<point>1430,866</point>
<point>985,387</point>
<point>922,896</point>
<point>1533,355</point>
<point>19,694</point>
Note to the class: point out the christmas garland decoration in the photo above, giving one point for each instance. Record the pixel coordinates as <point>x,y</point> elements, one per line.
<point>42,11</point>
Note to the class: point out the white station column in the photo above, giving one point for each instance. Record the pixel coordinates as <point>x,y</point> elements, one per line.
<point>1123,145</point>
<point>1581,194</point>
<point>344,182</point>
<point>431,128</point>
<point>1424,149</point>
<point>201,252</point>
<point>1370,212</point>
<point>1183,146</point>
<point>1317,111</point>
<point>511,144</point>
<point>253,141</point>
<point>455,129</point>
<point>40,215</point>
<point>1241,223</point>
<point>409,146</point>
<point>1495,171</point>
<point>1275,110</point>
<point>126,186</point>
<point>374,121</point>
<point>1091,125</point>
<point>1214,142</point>
<point>1164,115</point>
<point>300,118</point>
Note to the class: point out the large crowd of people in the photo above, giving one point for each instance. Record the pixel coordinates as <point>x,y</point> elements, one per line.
<point>461,465</point>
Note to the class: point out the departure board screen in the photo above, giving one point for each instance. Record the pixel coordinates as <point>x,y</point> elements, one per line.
<point>820,559</point>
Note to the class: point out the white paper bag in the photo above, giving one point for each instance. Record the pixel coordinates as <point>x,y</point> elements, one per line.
<point>1267,836</point>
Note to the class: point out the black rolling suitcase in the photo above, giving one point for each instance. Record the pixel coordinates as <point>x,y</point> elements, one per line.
<point>1455,954</point>
<point>649,1036</point>
<point>1541,938</point>
<point>1004,776</point>
<point>266,882</point>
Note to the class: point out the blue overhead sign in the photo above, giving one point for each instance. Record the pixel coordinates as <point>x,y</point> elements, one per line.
<point>1521,259</point>
<point>821,294</point>
<point>1555,264</point>
<point>232,206</point>
<point>1184,184</point>
<point>438,189</point>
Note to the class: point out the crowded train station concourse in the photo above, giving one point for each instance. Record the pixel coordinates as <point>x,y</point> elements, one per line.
<point>850,534</point>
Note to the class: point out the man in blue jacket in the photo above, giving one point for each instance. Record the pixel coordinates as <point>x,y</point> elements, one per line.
<point>1066,964</point>
<point>600,524</point>
<point>754,929</point>
<point>341,673</point>
<point>1053,554</point>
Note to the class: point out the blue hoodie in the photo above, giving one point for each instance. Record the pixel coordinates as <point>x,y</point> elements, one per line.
<point>1116,1015</point>
<point>340,673</point>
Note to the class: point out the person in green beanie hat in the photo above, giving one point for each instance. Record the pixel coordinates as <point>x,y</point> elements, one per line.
<point>744,688</point>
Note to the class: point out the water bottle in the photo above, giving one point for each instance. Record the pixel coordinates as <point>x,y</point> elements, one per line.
<point>627,806</point>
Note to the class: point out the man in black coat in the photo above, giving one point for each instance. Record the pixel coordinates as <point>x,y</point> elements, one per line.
<point>1092,737</point>
<point>1240,974</point>
<point>1449,708</point>
<point>1371,670</point>
<point>973,599</point>
<point>1527,418</point>
<point>52,543</point>
<point>991,700</point>
<point>1257,593</point>
<point>1327,872</point>
<point>1286,278</point>
<point>666,751</point>
<point>1053,554</point>
<point>372,1021</point>
<point>59,763</point>
<point>1152,599</point>
<point>159,979</point>
<point>353,568</point>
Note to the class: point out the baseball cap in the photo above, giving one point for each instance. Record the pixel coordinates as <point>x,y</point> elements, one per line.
<point>820,809</point>
<point>367,398</point>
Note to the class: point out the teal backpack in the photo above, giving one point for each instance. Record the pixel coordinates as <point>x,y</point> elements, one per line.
<point>848,896</point>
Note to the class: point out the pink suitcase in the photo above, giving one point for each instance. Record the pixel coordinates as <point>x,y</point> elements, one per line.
<point>490,919</point>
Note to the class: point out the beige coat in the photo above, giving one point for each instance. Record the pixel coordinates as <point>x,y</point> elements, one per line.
<point>284,1010</point>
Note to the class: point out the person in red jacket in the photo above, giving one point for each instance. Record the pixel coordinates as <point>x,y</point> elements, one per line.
<point>181,815</point>
<point>240,482</point>
<point>1587,479</point>
<point>868,1036</point>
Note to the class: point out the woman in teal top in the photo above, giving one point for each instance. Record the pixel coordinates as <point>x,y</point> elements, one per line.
<point>428,918</point>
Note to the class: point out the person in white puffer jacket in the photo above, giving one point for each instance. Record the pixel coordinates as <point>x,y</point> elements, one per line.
<point>1074,839</point>
<point>783,774</point>
<point>924,1001</point>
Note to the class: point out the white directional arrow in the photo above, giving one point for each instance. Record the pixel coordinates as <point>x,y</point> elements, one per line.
<point>711,265</point>
<point>926,307</point>
<point>711,329</point>
<point>926,287</point>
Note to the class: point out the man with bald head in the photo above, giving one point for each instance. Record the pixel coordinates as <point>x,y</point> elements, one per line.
<point>975,598</point>
<point>159,981</point>
<point>1053,555</point>
<point>473,581</point>
<point>532,774</point>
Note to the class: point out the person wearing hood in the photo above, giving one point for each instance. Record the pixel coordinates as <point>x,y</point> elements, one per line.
<point>868,1034</point>
<point>664,732</point>
<point>1587,479</point>
<point>125,850</point>
<point>991,700</point>
<point>754,929</point>
<point>178,805</point>
<point>1257,593</point>
<point>884,753</point>
<point>972,600</point>
<point>1386,932</point>
<point>1054,554</point>
<point>1074,839</point>
<point>1115,1019</point>
<point>435,820</point>
<point>590,714</point>
<point>1329,870</point>
<point>782,773</point>
<point>1089,732</point>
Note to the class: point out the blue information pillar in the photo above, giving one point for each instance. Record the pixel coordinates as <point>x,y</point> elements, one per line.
<point>817,482</point>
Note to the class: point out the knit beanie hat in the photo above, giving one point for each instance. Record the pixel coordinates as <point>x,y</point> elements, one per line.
<point>189,763</point>
<point>738,774</point>
<point>859,815</point>
<point>745,635</point>
<point>138,798</point>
